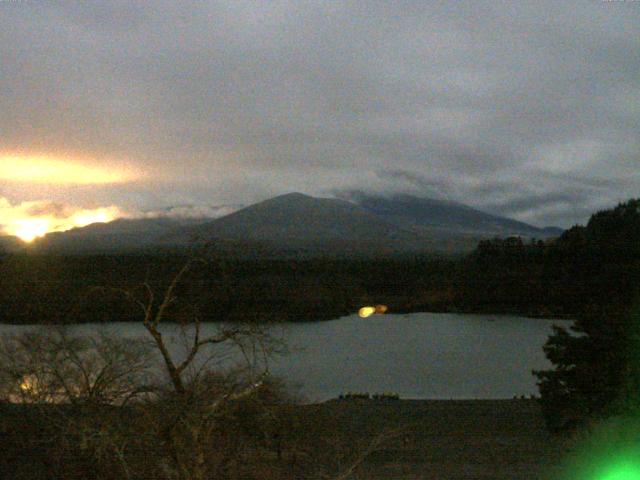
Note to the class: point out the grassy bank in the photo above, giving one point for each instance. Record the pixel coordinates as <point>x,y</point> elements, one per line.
<point>448,440</point>
<point>475,439</point>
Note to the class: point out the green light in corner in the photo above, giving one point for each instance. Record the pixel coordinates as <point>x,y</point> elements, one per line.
<point>608,450</point>
<point>622,471</point>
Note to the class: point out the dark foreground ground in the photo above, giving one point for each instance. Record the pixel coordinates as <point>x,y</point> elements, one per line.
<point>394,439</point>
<point>450,440</point>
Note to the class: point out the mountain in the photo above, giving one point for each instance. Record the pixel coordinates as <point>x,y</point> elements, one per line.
<point>121,234</point>
<point>409,210</point>
<point>299,222</point>
<point>9,243</point>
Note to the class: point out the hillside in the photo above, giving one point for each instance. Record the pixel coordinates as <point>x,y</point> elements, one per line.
<point>297,221</point>
<point>452,217</point>
<point>122,234</point>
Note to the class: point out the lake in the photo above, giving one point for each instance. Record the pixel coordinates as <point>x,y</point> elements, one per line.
<point>419,355</point>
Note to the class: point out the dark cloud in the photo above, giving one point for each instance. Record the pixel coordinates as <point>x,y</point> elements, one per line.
<point>525,108</point>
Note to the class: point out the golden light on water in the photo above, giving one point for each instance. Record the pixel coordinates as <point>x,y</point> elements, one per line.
<point>44,169</point>
<point>365,312</point>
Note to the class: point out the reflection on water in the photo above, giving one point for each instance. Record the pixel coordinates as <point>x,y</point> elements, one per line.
<point>421,355</point>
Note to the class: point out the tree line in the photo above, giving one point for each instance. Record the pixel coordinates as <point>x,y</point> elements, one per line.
<point>76,289</point>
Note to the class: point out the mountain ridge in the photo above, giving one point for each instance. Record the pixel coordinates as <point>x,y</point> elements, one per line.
<point>432,212</point>
<point>295,222</point>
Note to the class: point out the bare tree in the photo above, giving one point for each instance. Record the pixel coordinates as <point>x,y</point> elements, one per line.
<point>185,413</point>
<point>193,415</point>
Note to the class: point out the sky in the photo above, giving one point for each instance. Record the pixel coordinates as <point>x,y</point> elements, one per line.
<point>525,109</point>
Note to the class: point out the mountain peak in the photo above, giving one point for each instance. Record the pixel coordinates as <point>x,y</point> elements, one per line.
<point>294,195</point>
<point>290,197</point>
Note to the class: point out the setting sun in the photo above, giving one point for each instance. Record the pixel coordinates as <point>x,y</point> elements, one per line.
<point>31,220</point>
<point>43,169</point>
<point>29,229</point>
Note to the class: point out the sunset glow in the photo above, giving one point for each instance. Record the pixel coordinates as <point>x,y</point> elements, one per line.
<point>31,220</point>
<point>30,229</point>
<point>43,169</point>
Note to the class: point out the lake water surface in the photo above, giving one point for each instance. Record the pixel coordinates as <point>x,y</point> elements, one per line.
<point>419,355</point>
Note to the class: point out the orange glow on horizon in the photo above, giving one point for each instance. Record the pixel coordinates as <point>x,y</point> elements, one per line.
<point>50,170</point>
<point>31,220</point>
<point>28,230</point>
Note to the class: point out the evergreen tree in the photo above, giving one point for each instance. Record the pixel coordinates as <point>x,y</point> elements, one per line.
<point>596,364</point>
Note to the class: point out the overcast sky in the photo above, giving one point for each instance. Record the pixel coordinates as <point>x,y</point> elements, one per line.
<point>526,109</point>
